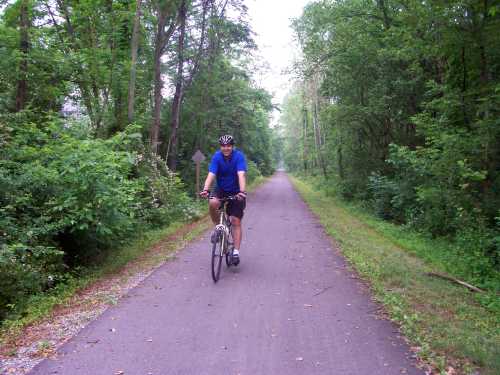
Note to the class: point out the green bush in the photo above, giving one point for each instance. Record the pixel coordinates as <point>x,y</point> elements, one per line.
<point>253,172</point>
<point>164,197</point>
<point>65,200</point>
<point>437,192</point>
<point>384,191</point>
<point>26,271</point>
<point>478,247</point>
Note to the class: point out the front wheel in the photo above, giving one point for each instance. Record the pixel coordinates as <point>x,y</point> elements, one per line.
<point>217,252</point>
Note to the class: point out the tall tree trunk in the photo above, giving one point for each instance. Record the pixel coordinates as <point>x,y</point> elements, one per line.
<point>317,137</point>
<point>158,85</point>
<point>161,39</point>
<point>314,88</point>
<point>115,73</point>
<point>82,77</point>
<point>22,82</point>
<point>464,87</point>
<point>383,8</point>
<point>133,63</point>
<point>182,85</point>
<point>340,163</point>
<point>179,91</point>
<point>97,93</point>
<point>484,68</point>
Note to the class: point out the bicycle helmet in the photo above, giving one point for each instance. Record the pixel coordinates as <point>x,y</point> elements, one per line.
<point>226,140</point>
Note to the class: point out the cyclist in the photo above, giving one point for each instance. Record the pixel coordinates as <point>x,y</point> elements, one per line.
<point>228,167</point>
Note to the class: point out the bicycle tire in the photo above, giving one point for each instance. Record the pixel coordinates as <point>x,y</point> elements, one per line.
<point>229,252</point>
<point>217,258</point>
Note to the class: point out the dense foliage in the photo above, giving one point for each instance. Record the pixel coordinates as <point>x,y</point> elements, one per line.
<point>66,199</point>
<point>96,99</point>
<point>397,105</point>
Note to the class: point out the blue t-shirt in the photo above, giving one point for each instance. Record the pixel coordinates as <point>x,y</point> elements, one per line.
<point>227,170</point>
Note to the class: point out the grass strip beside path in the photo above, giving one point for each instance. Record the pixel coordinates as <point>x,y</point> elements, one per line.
<point>443,321</point>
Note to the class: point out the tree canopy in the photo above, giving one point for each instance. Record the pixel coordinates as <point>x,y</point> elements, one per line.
<point>397,105</point>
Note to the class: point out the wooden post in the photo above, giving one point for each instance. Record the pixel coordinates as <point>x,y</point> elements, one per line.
<point>198,179</point>
<point>198,157</point>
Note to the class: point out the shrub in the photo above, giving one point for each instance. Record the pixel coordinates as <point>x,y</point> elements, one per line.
<point>65,200</point>
<point>163,198</point>
<point>253,172</point>
<point>26,271</point>
<point>479,246</point>
<point>383,191</point>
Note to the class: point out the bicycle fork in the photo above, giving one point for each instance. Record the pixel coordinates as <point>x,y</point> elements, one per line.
<point>223,235</point>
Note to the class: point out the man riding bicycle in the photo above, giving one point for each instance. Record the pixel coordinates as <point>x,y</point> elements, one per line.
<point>228,167</point>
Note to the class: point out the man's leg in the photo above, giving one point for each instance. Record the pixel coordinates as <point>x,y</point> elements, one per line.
<point>237,234</point>
<point>235,211</point>
<point>237,231</point>
<point>213,207</point>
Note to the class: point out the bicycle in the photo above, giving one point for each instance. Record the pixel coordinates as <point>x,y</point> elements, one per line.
<point>223,246</point>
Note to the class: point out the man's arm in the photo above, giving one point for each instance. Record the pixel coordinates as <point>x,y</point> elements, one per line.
<point>242,176</point>
<point>242,179</point>
<point>208,183</point>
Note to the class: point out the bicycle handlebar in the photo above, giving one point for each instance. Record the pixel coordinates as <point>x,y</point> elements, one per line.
<point>223,199</point>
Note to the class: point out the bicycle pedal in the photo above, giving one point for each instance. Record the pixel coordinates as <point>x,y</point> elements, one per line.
<point>235,260</point>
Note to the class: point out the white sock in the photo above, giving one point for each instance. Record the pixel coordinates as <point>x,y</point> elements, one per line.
<point>236,252</point>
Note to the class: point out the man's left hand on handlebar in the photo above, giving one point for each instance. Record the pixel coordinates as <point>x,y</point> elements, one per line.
<point>241,195</point>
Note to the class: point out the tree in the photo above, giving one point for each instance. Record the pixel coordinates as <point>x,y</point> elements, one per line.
<point>179,88</point>
<point>409,97</point>
<point>134,46</point>
<point>166,23</point>
<point>22,82</point>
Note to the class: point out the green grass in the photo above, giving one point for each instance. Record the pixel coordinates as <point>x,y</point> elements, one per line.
<point>443,319</point>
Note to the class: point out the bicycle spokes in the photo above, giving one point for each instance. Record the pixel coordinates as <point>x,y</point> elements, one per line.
<point>223,246</point>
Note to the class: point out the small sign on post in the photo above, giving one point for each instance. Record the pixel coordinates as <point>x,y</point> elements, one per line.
<point>198,157</point>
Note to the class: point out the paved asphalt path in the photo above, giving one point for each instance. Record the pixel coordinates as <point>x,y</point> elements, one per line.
<point>290,307</point>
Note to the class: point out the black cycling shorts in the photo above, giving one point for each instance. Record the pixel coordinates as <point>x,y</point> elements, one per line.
<point>235,207</point>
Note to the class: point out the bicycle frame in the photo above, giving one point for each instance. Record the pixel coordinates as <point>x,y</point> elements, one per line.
<point>224,226</point>
<point>222,245</point>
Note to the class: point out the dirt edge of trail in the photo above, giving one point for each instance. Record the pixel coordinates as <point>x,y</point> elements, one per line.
<point>23,350</point>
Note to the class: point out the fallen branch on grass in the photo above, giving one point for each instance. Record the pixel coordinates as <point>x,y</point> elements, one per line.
<point>456,281</point>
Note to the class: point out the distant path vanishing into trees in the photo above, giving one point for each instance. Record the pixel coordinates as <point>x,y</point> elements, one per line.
<point>291,307</point>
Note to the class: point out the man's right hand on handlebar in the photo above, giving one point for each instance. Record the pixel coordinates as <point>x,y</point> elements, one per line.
<point>204,193</point>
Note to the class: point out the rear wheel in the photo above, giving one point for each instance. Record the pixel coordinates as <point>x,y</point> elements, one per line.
<point>230,245</point>
<point>217,258</point>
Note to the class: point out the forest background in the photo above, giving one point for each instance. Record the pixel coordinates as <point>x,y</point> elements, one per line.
<point>102,105</point>
<point>395,106</point>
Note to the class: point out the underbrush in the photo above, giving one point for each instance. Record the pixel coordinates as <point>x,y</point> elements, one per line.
<point>68,200</point>
<point>468,254</point>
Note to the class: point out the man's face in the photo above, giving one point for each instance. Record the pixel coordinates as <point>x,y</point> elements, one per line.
<point>226,150</point>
